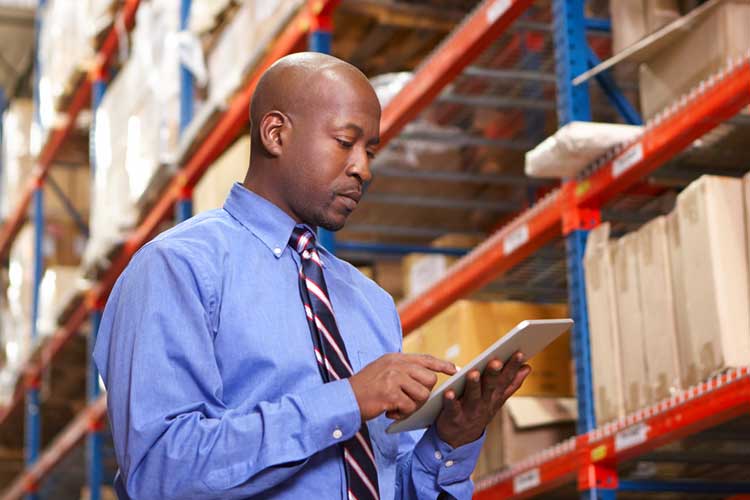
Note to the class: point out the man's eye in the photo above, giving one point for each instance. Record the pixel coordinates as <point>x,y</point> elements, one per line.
<point>371,155</point>
<point>345,144</point>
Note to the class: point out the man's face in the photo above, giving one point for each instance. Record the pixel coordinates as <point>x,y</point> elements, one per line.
<point>327,160</point>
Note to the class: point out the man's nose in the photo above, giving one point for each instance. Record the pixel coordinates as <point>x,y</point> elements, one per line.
<point>361,166</point>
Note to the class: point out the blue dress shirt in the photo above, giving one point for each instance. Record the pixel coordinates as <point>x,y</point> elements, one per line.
<point>213,388</point>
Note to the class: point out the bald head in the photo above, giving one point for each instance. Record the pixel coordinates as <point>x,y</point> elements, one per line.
<point>293,85</point>
<point>315,125</point>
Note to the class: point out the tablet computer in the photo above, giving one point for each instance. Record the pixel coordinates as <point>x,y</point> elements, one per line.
<point>530,337</point>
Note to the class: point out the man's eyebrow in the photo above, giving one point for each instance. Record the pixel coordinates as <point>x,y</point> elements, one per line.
<point>354,127</point>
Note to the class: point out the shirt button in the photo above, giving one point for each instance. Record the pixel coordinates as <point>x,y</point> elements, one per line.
<point>449,463</point>
<point>277,251</point>
<point>438,455</point>
<point>337,434</point>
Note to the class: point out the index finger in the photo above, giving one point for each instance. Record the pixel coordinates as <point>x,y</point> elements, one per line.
<point>433,363</point>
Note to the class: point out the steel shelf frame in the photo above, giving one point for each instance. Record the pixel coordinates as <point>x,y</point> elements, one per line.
<point>671,132</point>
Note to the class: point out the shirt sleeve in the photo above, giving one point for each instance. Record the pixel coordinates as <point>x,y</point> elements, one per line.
<point>174,437</point>
<point>428,467</point>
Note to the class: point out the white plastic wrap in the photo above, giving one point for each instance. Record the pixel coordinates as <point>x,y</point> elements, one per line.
<point>575,146</point>
<point>137,127</point>
<point>17,161</point>
<point>58,288</point>
<point>204,14</point>
<point>243,42</point>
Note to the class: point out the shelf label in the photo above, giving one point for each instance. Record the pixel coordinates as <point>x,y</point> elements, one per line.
<point>625,161</point>
<point>497,9</point>
<point>632,436</point>
<point>515,239</point>
<point>527,480</point>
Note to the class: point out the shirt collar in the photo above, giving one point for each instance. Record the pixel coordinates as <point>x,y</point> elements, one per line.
<point>265,220</point>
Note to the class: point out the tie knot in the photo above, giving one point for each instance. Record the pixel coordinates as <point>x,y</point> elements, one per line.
<point>302,241</point>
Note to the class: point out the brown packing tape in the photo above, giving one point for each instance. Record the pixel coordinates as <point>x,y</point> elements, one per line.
<point>662,388</point>
<point>634,397</point>
<point>709,360</point>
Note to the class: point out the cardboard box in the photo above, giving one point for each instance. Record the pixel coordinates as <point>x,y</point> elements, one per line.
<point>634,19</point>
<point>603,326</point>
<point>714,259</point>
<point>421,271</point>
<point>389,275</point>
<point>630,320</point>
<point>467,328</point>
<point>658,310</point>
<point>699,53</point>
<point>746,185</point>
<point>524,426</point>
<point>679,290</point>
<point>213,188</point>
<point>414,343</point>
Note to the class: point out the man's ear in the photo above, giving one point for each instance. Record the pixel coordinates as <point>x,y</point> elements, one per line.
<point>273,127</point>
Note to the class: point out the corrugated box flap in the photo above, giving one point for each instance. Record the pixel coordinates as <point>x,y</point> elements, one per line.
<point>528,412</point>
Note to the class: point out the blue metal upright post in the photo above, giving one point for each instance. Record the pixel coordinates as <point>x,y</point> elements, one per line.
<point>94,438</point>
<point>183,209</point>
<point>575,245</point>
<point>33,424</point>
<point>320,41</point>
<point>186,77</point>
<point>571,59</point>
<point>33,417</point>
<point>574,104</point>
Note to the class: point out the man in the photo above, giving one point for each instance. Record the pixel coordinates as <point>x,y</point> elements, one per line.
<point>242,361</point>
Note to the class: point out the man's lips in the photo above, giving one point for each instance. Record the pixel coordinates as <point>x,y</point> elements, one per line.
<point>352,195</point>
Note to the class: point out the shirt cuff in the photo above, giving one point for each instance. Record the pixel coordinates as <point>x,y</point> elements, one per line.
<point>333,413</point>
<point>449,465</point>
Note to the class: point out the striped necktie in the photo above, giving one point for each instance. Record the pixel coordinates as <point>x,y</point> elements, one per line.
<point>333,361</point>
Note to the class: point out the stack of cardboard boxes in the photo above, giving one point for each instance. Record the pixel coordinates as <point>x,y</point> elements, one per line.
<point>669,305</point>
<point>543,412</point>
<point>62,245</point>
<point>675,61</point>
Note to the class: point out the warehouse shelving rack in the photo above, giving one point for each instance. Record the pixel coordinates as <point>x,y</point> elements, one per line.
<point>590,459</point>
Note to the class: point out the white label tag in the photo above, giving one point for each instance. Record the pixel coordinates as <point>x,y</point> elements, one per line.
<point>515,239</point>
<point>526,481</point>
<point>626,160</point>
<point>497,9</point>
<point>631,436</point>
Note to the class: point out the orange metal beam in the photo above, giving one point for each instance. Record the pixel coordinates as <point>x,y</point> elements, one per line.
<point>80,100</point>
<point>456,52</point>
<point>694,410</point>
<point>68,439</point>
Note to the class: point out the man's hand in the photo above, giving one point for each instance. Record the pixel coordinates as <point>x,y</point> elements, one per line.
<point>398,384</point>
<point>463,420</point>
